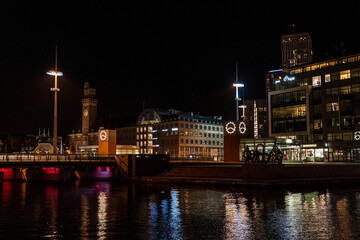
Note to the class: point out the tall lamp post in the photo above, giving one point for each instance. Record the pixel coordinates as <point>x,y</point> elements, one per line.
<point>55,90</point>
<point>238,85</point>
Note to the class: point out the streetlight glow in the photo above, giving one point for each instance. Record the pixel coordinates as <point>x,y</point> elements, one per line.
<point>53,73</point>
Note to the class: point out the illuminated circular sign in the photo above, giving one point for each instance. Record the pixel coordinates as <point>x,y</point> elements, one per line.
<point>230,127</point>
<point>242,127</point>
<point>103,135</point>
<point>357,135</point>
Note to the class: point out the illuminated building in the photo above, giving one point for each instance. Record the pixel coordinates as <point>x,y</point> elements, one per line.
<point>318,104</point>
<point>296,49</point>
<point>179,134</point>
<point>256,118</point>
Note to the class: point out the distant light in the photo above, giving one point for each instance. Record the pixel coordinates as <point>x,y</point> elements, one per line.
<point>53,73</point>
<point>293,25</point>
<point>164,130</point>
<point>288,140</point>
<point>154,131</point>
<point>174,129</point>
<point>238,85</point>
<point>276,70</point>
<point>156,146</point>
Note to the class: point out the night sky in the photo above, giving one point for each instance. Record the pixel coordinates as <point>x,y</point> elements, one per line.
<point>165,54</point>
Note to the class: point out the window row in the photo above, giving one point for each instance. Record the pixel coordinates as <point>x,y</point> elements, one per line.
<point>355,88</point>
<point>205,142</point>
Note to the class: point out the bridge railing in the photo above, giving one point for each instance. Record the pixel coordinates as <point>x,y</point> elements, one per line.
<point>56,158</point>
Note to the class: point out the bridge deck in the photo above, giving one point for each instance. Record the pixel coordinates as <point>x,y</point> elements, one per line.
<point>32,160</point>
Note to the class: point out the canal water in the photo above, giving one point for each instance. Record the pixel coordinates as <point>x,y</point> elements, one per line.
<point>104,210</point>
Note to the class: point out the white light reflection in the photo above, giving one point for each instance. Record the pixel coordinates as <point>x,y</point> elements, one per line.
<point>102,224</point>
<point>175,218</point>
<point>237,218</point>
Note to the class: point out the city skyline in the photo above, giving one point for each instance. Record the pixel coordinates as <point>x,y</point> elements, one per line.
<point>179,55</point>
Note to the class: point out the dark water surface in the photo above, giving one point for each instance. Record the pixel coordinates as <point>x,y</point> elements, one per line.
<point>104,210</point>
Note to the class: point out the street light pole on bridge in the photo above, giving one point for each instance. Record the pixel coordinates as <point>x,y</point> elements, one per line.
<point>55,90</point>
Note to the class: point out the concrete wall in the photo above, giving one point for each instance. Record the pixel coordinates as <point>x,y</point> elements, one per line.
<point>265,171</point>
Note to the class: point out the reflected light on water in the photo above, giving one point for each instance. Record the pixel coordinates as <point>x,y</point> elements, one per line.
<point>175,216</point>
<point>84,223</point>
<point>102,221</point>
<point>237,222</point>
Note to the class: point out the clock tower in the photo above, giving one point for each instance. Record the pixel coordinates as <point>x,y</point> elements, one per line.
<point>89,108</point>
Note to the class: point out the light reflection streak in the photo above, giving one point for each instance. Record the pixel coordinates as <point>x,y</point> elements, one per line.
<point>84,218</point>
<point>237,225</point>
<point>175,216</point>
<point>153,217</point>
<point>102,221</point>
<point>344,219</point>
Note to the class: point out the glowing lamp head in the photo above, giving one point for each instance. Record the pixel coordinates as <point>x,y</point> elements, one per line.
<point>238,85</point>
<point>53,73</point>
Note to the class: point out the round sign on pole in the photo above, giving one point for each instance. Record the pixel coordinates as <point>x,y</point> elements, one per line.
<point>242,127</point>
<point>230,127</point>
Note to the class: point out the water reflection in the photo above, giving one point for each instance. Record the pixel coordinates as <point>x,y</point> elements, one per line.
<point>84,220</point>
<point>127,211</point>
<point>102,212</point>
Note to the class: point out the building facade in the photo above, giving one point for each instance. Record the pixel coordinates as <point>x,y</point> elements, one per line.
<point>256,118</point>
<point>318,104</point>
<point>178,134</point>
<point>296,49</point>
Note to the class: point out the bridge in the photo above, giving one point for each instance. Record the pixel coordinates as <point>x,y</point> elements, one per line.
<point>36,160</point>
<point>64,167</point>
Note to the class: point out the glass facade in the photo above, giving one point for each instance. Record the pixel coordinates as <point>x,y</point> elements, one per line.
<point>318,104</point>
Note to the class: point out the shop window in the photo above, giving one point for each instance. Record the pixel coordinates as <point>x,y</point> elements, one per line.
<point>344,74</point>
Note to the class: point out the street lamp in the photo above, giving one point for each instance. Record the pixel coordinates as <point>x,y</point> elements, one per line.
<point>238,85</point>
<point>55,90</point>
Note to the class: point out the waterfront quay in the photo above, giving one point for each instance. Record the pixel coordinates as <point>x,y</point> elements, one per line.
<point>159,169</point>
<point>259,174</point>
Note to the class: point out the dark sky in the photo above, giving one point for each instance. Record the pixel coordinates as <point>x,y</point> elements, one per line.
<point>177,54</point>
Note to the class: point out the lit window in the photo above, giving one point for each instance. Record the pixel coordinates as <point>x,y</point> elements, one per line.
<point>332,107</point>
<point>327,78</point>
<point>316,81</point>
<point>344,74</point>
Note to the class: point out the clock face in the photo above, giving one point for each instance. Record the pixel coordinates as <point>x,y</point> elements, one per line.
<point>86,113</point>
<point>103,135</point>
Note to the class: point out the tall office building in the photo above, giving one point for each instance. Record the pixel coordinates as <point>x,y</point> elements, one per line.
<point>318,104</point>
<point>296,49</point>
